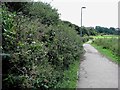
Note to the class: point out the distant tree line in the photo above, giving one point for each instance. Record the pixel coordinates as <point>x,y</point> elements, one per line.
<point>105,30</point>
<point>98,30</point>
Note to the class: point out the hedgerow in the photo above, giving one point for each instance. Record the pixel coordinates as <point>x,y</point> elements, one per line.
<point>35,54</point>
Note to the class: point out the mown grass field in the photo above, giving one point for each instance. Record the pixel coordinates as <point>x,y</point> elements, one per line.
<point>105,36</point>
<point>108,46</point>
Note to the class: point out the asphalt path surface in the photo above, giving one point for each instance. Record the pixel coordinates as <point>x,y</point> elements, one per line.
<point>97,71</point>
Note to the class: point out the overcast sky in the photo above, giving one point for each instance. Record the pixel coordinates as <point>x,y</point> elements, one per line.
<point>97,13</point>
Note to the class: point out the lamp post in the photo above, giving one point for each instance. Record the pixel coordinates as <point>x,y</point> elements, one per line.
<point>81,20</point>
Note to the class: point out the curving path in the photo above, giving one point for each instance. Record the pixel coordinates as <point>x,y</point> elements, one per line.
<point>96,71</point>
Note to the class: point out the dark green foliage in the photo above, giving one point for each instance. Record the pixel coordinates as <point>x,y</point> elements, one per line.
<point>43,11</point>
<point>16,6</point>
<point>88,31</point>
<point>36,54</point>
<point>107,31</point>
<point>91,31</point>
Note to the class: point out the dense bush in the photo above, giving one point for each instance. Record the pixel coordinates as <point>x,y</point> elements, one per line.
<point>16,6</point>
<point>45,12</point>
<point>36,55</point>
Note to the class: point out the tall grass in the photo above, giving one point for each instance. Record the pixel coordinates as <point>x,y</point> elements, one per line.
<point>109,44</point>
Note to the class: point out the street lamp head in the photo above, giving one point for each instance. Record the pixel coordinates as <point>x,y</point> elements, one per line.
<point>83,7</point>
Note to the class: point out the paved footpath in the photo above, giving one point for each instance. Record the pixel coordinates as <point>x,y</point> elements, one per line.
<point>96,71</point>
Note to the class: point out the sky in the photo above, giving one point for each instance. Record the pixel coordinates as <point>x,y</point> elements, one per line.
<point>97,12</point>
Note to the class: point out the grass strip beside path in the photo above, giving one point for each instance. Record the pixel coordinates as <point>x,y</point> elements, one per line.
<point>70,79</point>
<point>108,53</point>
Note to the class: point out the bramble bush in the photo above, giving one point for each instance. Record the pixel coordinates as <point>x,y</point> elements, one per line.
<point>38,53</point>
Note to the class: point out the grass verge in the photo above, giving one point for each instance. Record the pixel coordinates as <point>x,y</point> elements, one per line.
<point>70,79</point>
<point>108,53</point>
